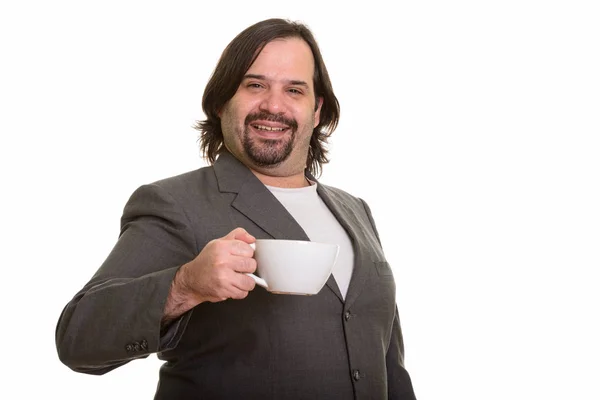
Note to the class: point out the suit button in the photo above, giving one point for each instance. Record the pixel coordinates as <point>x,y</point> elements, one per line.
<point>144,345</point>
<point>129,348</point>
<point>356,375</point>
<point>347,315</point>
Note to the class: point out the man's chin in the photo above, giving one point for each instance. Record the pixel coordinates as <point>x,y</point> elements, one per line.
<point>268,153</point>
<point>267,161</point>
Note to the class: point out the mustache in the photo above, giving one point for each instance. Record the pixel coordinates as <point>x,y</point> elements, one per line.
<point>266,116</point>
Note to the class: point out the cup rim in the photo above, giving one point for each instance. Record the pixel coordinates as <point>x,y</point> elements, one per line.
<point>302,242</point>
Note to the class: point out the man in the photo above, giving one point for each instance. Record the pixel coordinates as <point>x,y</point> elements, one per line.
<point>175,283</point>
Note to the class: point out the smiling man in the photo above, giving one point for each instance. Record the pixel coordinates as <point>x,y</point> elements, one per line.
<point>176,281</point>
<point>269,121</point>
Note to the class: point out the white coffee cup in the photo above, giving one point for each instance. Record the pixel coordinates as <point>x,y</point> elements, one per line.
<point>293,266</point>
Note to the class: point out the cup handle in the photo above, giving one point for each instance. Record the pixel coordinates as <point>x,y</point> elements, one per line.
<point>259,281</point>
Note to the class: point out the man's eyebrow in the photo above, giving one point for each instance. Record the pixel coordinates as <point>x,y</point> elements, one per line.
<point>264,78</point>
<point>299,83</point>
<point>254,76</point>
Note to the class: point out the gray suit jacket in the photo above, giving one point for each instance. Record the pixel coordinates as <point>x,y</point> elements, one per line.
<point>266,346</point>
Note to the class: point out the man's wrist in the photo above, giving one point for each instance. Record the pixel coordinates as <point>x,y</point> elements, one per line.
<point>180,298</point>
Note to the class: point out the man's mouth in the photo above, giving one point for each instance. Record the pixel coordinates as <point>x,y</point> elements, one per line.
<point>268,128</point>
<point>271,131</point>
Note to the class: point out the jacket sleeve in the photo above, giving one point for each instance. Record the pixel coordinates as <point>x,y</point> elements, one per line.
<point>116,317</point>
<point>398,380</point>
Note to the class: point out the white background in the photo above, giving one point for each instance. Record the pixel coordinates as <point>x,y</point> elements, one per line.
<point>470,127</point>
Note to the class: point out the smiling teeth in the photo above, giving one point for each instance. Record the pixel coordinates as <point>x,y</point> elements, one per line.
<point>268,128</point>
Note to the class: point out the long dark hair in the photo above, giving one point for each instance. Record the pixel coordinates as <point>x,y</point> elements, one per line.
<point>235,61</point>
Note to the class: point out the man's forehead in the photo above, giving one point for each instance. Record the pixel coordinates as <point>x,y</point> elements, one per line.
<point>288,60</point>
<point>294,50</point>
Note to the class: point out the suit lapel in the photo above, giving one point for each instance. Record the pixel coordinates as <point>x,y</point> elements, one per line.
<point>254,200</point>
<point>257,203</point>
<point>353,227</point>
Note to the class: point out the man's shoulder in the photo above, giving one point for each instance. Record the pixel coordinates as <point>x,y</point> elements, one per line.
<point>184,177</point>
<point>186,183</point>
<point>341,195</point>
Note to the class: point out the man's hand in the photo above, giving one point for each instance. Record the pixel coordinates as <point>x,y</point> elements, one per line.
<point>216,274</point>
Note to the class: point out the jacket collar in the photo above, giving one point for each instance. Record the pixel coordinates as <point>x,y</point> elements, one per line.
<point>254,200</point>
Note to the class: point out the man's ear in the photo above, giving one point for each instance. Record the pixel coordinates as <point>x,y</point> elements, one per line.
<point>318,105</point>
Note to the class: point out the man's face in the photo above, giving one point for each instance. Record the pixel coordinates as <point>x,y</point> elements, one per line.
<point>268,123</point>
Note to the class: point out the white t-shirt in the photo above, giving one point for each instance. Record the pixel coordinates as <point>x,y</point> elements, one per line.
<point>309,210</point>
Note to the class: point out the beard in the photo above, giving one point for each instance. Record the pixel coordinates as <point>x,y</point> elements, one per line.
<point>268,152</point>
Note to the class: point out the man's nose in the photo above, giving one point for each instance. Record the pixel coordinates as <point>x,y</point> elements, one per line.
<point>273,102</point>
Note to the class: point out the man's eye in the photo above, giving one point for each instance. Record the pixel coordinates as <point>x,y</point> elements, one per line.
<point>295,91</point>
<point>254,85</point>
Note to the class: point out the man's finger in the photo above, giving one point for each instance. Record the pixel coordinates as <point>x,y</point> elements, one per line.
<point>240,234</point>
<point>240,248</point>
<point>243,264</point>
<point>239,294</point>
<point>243,282</point>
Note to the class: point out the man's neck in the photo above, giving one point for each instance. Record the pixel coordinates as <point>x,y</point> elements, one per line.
<point>293,181</point>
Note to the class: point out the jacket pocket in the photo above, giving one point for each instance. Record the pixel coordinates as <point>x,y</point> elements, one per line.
<point>383,268</point>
